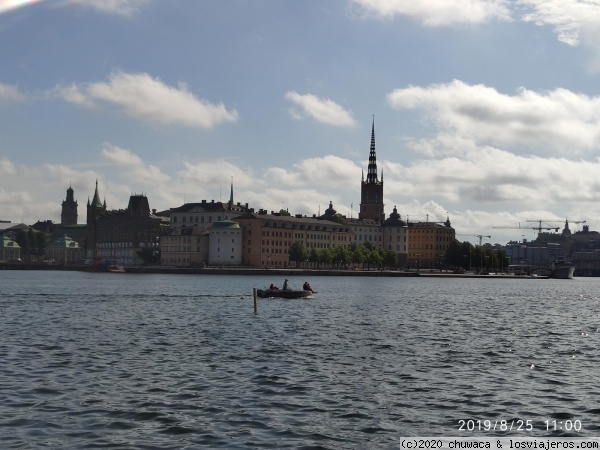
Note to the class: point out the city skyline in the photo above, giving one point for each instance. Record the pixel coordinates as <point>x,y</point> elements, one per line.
<point>485,110</point>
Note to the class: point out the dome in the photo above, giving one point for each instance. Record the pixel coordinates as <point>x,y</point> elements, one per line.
<point>394,220</point>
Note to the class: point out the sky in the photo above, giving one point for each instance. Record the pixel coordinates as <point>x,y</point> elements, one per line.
<point>485,111</point>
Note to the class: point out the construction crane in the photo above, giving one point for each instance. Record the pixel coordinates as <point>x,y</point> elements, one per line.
<point>480,236</point>
<point>539,228</point>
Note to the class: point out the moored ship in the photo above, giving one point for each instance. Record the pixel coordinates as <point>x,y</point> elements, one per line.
<point>562,270</point>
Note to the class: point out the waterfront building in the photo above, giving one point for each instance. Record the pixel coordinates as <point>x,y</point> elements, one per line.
<point>184,247</point>
<point>371,192</point>
<point>225,243</point>
<point>119,236</point>
<point>268,237</point>
<point>394,233</point>
<point>64,251</point>
<point>204,213</point>
<point>366,230</point>
<point>428,243</point>
<point>9,249</point>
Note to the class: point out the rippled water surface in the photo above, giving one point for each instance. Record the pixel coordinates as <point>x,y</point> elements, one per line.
<point>168,361</point>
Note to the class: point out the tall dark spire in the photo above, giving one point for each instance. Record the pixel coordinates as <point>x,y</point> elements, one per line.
<point>371,196</point>
<point>231,195</point>
<point>96,200</point>
<point>372,171</point>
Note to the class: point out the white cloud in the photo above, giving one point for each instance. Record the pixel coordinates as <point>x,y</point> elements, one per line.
<point>124,8</point>
<point>73,94</point>
<point>569,18</point>
<point>480,189</point>
<point>145,98</point>
<point>134,168</point>
<point>436,13</point>
<point>558,121</point>
<point>7,167</point>
<point>575,22</point>
<point>9,93</point>
<point>320,109</point>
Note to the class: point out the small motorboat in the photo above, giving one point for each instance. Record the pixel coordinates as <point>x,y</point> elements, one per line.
<point>282,293</point>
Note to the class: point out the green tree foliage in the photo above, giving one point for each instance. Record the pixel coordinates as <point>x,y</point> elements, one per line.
<point>390,259</point>
<point>284,212</point>
<point>325,256</point>
<point>338,218</point>
<point>341,256</point>
<point>297,252</point>
<point>149,255</point>
<point>41,243</point>
<point>313,256</point>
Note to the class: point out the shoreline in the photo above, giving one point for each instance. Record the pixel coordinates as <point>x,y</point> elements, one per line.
<point>248,271</point>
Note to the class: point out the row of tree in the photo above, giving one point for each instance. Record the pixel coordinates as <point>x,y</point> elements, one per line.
<point>366,255</point>
<point>473,257</point>
<point>460,255</point>
<point>33,245</point>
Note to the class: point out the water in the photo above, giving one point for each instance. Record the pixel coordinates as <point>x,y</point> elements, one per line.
<point>167,361</point>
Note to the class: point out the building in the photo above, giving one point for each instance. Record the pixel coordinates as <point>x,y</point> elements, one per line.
<point>268,237</point>
<point>9,249</point>
<point>371,189</point>
<point>184,247</point>
<point>428,243</point>
<point>204,213</point>
<point>68,214</point>
<point>366,230</point>
<point>394,234</point>
<point>225,243</point>
<point>95,209</point>
<point>64,251</point>
<point>123,236</point>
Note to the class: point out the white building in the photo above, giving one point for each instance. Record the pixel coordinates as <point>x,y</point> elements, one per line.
<point>225,243</point>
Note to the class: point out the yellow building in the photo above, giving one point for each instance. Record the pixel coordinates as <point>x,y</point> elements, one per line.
<point>266,238</point>
<point>428,242</point>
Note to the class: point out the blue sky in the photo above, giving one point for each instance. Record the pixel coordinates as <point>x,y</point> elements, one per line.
<point>485,110</point>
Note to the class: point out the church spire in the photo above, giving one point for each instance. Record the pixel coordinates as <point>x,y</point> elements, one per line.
<point>371,192</point>
<point>372,170</point>
<point>231,195</point>
<point>96,200</point>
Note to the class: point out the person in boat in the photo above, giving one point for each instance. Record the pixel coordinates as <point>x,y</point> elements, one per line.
<point>306,286</point>
<point>286,286</point>
<point>273,287</point>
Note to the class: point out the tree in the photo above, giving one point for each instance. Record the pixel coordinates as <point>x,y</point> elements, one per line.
<point>297,252</point>
<point>341,255</point>
<point>41,241</point>
<point>313,256</point>
<point>325,256</point>
<point>284,212</point>
<point>390,259</point>
<point>338,218</point>
<point>149,255</point>
<point>26,241</point>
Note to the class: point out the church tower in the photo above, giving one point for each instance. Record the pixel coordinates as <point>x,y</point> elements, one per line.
<point>94,210</point>
<point>68,215</point>
<point>371,192</point>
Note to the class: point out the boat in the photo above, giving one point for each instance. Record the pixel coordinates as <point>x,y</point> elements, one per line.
<point>562,270</point>
<point>116,269</point>
<point>282,293</point>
